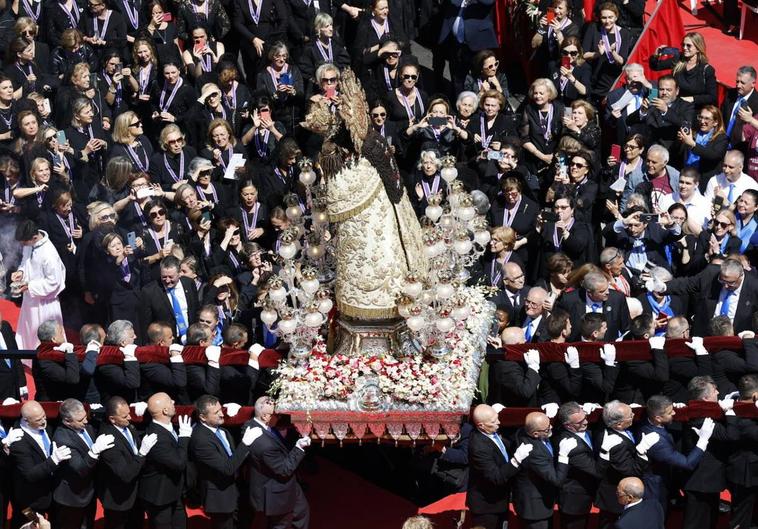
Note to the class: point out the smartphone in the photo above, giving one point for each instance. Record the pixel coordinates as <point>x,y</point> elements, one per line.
<point>649,217</point>
<point>144,192</point>
<point>718,203</point>
<point>437,121</point>
<point>206,216</point>
<point>566,62</point>
<point>549,216</point>
<point>330,91</point>
<point>30,515</point>
<point>285,79</point>
<point>653,94</point>
<point>686,127</point>
<point>550,15</point>
<point>46,105</point>
<point>199,47</point>
<point>167,17</point>
<point>494,155</point>
<point>131,239</point>
<point>568,112</point>
<point>60,136</point>
<point>265,114</point>
<point>616,151</point>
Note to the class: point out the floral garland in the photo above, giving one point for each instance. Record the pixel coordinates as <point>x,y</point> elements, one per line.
<point>414,382</point>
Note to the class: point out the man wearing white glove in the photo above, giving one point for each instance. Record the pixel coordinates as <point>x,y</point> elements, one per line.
<point>682,368</point>
<point>55,380</point>
<point>536,487</point>
<point>561,382</point>
<point>75,489</point>
<point>618,459</point>
<point>12,378</point>
<point>168,378</point>
<point>202,379</point>
<point>663,455</point>
<point>577,493</point>
<point>119,468</point>
<point>515,383</point>
<point>217,460</point>
<point>119,379</point>
<point>162,479</point>
<point>271,460</point>
<point>640,379</point>
<point>491,469</point>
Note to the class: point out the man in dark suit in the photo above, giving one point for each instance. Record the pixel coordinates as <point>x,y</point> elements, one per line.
<point>640,379</point>
<point>721,290</point>
<point>36,459</point>
<point>114,379</point>
<point>12,377</point>
<point>8,438</point>
<point>490,470</point>
<point>274,490</point>
<point>742,467</point>
<point>202,379</point>
<point>156,377</point>
<point>173,299</point>
<point>595,295</point>
<point>743,95</point>
<point>514,383</point>
<point>511,299</point>
<point>162,480</point>
<point>644,243</point>
<point>561,381</point>
<point>536,486</point>
<point>682,369</point>
<point>620,106</point>
<point>55,381</point>
<point>664,457</point>
<point>217,461</point>
<point>74,492</point>
<point>533,316</point>
<point>577,493</point>
<point>637,511</point>
<point>119,469</point>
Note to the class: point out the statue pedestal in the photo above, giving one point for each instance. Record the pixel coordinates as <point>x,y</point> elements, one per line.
<point>369,337</point>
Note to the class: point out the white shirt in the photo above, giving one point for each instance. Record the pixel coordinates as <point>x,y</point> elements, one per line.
<point>168,427</point>
<point>588,304</point>
<point>741,184</point>
<point>35,435</point>
<point>628,505</point>
<point>732,301</point>
<point>131,441</point>
<point>212,429</point>
<point>698,207</point>
<point>533,325</point>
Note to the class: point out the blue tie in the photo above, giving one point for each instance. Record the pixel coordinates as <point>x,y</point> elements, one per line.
<point>224,442</point>
<point>528,330</point>
<point>3,433</point>
<point>730,196</point>
<point>269,338</point>
<point>629,434</point>
<point>45,441</point>
<point>725,303</point>
<point>500,445</point>
<point>86,437</point>
<point>733,118</point>
<point>181,323</point>
<point>588,439</point>
<point>597,307</point>
<point>548,446</point>
<point>129,438</point>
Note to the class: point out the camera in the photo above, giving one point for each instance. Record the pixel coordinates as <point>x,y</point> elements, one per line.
<point>549,215</point>
<point>649,217</point>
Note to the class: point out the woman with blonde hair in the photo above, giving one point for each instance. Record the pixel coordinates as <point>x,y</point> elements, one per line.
<point>541,124</point>
<point>695,77</point>
<point>37,197</point>
<point>130,141</point>
<point>501,252</point>
<point>705,143</point>
<point>573,77</point>
<point>722,239</point>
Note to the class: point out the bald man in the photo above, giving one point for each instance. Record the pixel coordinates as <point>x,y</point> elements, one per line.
<point>536,487</point>
<point>514,383</point>
<point>162,480</point>
<point>534,316</point>
<point>637,512</point>
<point>491,468</point>
<point>36,459</point>
<point>511,298</point>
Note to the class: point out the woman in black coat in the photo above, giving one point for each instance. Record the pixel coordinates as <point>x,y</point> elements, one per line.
<point>549,38</point>
<point>705,143</point>
<point>121,280</point>
<point>573,75</point>
<point>566,235</point>
<point>695,78</point>
<point>541,125</point>
<point>606,47</point>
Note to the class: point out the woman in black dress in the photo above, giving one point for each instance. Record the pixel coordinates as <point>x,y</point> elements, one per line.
<point>606,47</point>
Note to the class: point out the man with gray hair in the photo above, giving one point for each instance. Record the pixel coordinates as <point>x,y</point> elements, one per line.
<point>742,95</point>
<point>535,315</point>
<point>658,174</point>
<point>626,99</point>
<point>55,380</point>
<point>612,263</point>
<point>657,302</point>
<point>119,379</point>
<point>595,295</point>
<point>732,180</point>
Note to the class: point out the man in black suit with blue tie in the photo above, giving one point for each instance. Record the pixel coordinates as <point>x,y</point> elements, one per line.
<point>637,511</point>
<point>274,490</point>
<point>490,470</point>
<point>217,461</point>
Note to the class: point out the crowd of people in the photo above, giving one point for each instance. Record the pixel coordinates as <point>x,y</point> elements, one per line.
<point>150,156</point>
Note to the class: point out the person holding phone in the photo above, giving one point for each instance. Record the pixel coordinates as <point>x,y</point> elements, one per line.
<point>264,134</point>
<point>705,143</point>
<point>163,31</point>
<point>582,126</point>
<point>484,75</point>
<point>494,120</point>
<point>122,279</point>
<point>436,131</point>
<point>283,84</point>
<point>573,75</point>
<point>202,57</point>
<point>553,29</point>
<point>606,47</point>
<point>159,237</point>
<point>144,74</point>
<point>227,250</point>
<point>566,234</point>
<point>112,82</point>
<point>209,14</point>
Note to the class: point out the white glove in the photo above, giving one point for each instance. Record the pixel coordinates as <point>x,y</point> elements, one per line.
<point>13,435</point>
<point>23,391</point>
<point>589,407</point>
<point>704,433</point>
<point>175,347</point>
<point>498,407</point>
<point>565,446</point>
<point>303,443</point>
<point>746,335</point>
<point>733,395</point>
<point>521,453</point>
<point>185,426</point>
<point>532,359</point>
<point>65,348</point>
<point>679,405</point>
<point>608,354</point>
<point>95,406</point>
<point>139,408</point>
<point>635,405</point>
<point>697,345</point>
<point>571,356</point>
<point>172,356</point>
<point>9,401</point>
<point>251,434</point>
<point>255,351</point>
<point>148,442</point>
<point>647,441</point>
<point>609,441</point>
<point>93,345</point>
<point>550,409</point>
<point>101,444</point>
<point>655,285</point>
<point>212,354</point>
<point>657,342</point>
<point>60,453</point>
<point>129,351</point>
<point>232,409</point>
<point>726,404</point>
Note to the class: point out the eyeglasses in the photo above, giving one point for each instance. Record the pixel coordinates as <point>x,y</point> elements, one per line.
<point>705,118</point>
<point>135,124</point>
<point>492,66</point>
<point>721,224</point>
<point>532,303</point>
<point>329,80</point>
<point>379,115</point>
<point>108,216</point>
<point>513,278</point>
<point>631,147</point>
<point>409,76</point>
<point>204,172</point>
<point>577,164</point>
<point>572,53</point>
<point>175,141</point>
<point>160,213</point>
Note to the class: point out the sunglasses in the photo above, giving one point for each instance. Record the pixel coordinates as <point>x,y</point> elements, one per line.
<point>329,80</point>
<point>236,232</point>
<point>50,138</point>
<point>175,141</point>
<point>721,224</point>
<point>108,216</point>
<point>493,65</point>
<point>572,53</point>
<point>395,54</point>
<point>204,172</point>
<point>379,115</point>
<point>160,213</point>
<point>135,124</point>
<point>409,76</point>
<point>576,164</point>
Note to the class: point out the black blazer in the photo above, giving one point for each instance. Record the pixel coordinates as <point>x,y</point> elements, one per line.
<point>512,383</point>
<point>162,480</point>
<point>56,381</point>
<point>709,475</point>
<point>503,302</point>
<point>489,481</point>
<point>647,514</point>
<point>615,310</point>
<point>216,471</point>
<point>11,378</point>
<point>119,470</point>
<point>663,129</point>
<point>536,486</point>
<point>727,107</point>
<point>742,466</point>
<point>273,484</point>
<point>578,491</point>
<point>640,379</point>
<point>157,307</point>
<point>523,223</point>
<point>560,383</point>
<point>118,380</point>
<point>76,486</point>
<point>706,287</point>
<point>34,475</point>
<point>579,245</point>
<point>699,83</point>
<point>201,380</point>
<point>623,462</point>
<point>156,378</point>
<point>727,367</point>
